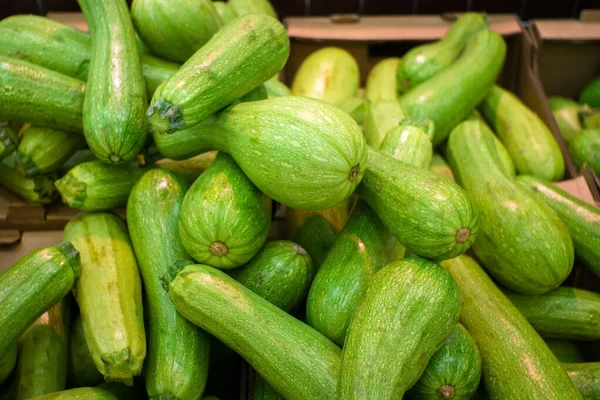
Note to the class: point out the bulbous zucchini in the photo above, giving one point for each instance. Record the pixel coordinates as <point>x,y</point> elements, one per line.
<point>381,82</point>
<point>410,142</point>
<point>109,294</point>
<point>227,218</point>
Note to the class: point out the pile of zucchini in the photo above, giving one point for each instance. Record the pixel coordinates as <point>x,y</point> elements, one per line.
<point>367,295</point>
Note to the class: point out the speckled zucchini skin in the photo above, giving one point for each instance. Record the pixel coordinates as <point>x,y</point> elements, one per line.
<point>385,355</point>
<point>296,360</point>
<point>586,376</point>
<point>177,362</point>
<point>33,285</point>
<point>242,55</point>
<point>381,82</point>
<point>175,33</point>
<point>410,142</point>
<point>516,362</point>
<point>227,219</point>
<point>522,242</point>
<point>109,294</point>
<point>342,280</point>
<point>114,122</point>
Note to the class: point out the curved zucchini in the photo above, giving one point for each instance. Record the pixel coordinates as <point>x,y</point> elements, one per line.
<point>516,362</point>
<point>475,72</point>
<point>84,393</point>
<point>342,280</point>
<point>424,62</point>
<point>536,251</point>
<point>177,363</point>
<point>175,33</point>
<point>191,168</point>
<point>281,273</point>
<point>42,366</point>
<point>527,139</point>
<point>426,297</point>
<point>43,150</point>
<point>429,214</point>
<point>566,351</point>
<point>8,362</point>
<point>9,140</point>
<point>33,285</point>
<point>114,123</point>
<point>590,94</point>
<point>97,186</point>
<point>564,313</point>
<point>244,7</point>
<point>566,114</point>
<point>82,369</point>
<point>227,218</point>
<point>296,360</point>
<point>380,117</point>
<point>39,189</point>
<point>330,74</point>
<point>40,96</point>
<point>582,220</point>
<point>440,166</point>
<point>224,11</point>
<point>109,294</point>
<point>381,82</point>
<point>585,148</point>
<point>586,376</point>
<point>241,56</point>
<point>453,372</point>
<point>62,48</point>
<point>410,142</point>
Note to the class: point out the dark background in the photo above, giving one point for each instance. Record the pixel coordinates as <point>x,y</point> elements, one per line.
<point>526,9</point>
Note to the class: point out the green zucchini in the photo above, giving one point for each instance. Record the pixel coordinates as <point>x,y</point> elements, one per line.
<point>440,166</point>
<point>380,117</point>
<point>429,214</point>
<point>62,48</point>
<point>227,219</point>
<point>264,391</point>
<point>475,72</point>
<point>408,311</point>
<point>177,362</point>
<point>585,149</point>
<point>275,88</point>
<point>43,150</point>
<point>244,7</point>
<point>522,242</point>
<point>314,164</point>
<point>330,74</point>
<point>33,285</point>
<point>563,313</point>
<point>97,186</point>
<point>453,371</point>
<point>109,294</point>
<point>317,230</point>
<point>582,219</point>
<point>8,362</point>
<point>342,280</point>
<point>410,142</point>
<point>355,107</point>
<point>281,273</point>
<point>590,119</point>
<point>191,168</point>
<point>84,393</point>
<point>79,157</point>
<point>566,114</point>
<point>175,33</point>
<point>381,82</point>
<point>566,351</point>
<point>9,140</point>
<point>242,55</point>
<point>296,360</point>
<point>516,362</point>
<point>42,365</point>
<point>501,151</point>
<point>586,376</point>
<point>590,94</point>
<point>82,369</point>
<point>40,96</point>
<point>528,140</point>
<point>114,123</point>
<point>424,62</point>
<point>224,11</point>
<point>39,189</point>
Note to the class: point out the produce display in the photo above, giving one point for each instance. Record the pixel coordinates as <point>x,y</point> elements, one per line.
<point>316,231</point>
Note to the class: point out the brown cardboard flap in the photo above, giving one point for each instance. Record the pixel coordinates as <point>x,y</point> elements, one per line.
<point>382,28</point>
<point>568,29</point>
<point>577,187</point>
<point>29,242</point>
<point>74,19</point>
